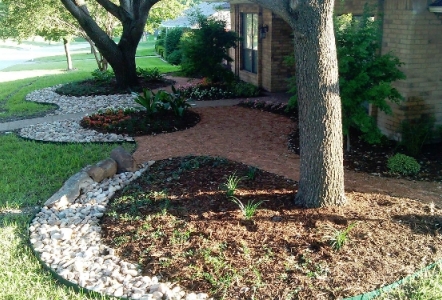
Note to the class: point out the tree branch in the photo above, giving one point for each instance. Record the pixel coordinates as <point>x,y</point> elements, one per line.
<point>112,8</point>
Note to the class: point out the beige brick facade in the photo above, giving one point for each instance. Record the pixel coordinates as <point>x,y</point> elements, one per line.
<point>410,31</point>
<point>414,34</point>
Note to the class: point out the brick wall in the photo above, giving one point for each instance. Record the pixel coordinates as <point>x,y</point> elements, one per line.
<point>413,34</point>
<point>410,31</point>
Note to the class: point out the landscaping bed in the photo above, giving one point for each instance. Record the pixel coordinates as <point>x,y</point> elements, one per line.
<point>178,221</point>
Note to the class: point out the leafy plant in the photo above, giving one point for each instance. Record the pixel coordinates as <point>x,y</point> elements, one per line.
<point>251,173</point>
<point>205,48</point>
<point>403,164</point>
<point>248,210</point>
<point>231,184</point>
<point>163,101</point>
<point>103,76</point>
<point>340,237</point>
<point>152,74</point>
<point>176,102</point>
<point>149,100</point>
<point>415,132</point>
<point>365,76</point>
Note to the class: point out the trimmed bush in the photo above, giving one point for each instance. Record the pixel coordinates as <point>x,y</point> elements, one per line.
<point>403,164</point>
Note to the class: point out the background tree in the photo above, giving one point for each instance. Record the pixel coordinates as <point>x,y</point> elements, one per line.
<point>365,76</point>
<point>50,20</point>
<point>164,10</point>
<point>320,121</point>
<point>133,17</point>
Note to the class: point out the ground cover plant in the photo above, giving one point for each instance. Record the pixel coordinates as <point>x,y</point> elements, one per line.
<point>205,89</point>
<point>178,220</point>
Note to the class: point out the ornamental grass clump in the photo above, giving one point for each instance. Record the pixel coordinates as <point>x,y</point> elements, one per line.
<point>403,164</point>
<point>248,210</point>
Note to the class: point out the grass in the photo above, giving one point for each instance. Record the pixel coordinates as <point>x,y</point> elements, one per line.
<point>424,287</point>
<point>32,172</point>
<point>12,93</point>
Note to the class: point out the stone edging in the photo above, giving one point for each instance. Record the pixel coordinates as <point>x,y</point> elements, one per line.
<point>65,237</point>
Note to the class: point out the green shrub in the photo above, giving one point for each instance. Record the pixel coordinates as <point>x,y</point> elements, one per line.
<point>244,89</point>
<point>172,41</point>
<point>174,58</point>
<point>152,74</point>
<point>403,164</point>
<point>204,49</point>
<point>365,76</point>
<point>415,133</point>
<point>103,76</point>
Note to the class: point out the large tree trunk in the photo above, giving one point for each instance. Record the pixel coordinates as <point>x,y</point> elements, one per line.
<point>133,16</point>
<point>320,122</point>
<point>123,61</point>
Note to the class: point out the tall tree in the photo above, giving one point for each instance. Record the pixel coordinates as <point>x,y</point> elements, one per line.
<point>320,121</point>
<point>133,16</point>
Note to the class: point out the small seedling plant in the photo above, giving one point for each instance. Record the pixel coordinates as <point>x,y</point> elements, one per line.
<point>231,185</point>
<point>340,237</point>
<point>248,210</point>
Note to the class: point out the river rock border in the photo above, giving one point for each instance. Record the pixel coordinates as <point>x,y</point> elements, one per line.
<point>65,235</point>
<point>70,130</point>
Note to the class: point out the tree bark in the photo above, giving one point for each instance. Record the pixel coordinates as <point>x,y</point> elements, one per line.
<point>320,121</point>
<point>133,16</point>
<point>68,54</point>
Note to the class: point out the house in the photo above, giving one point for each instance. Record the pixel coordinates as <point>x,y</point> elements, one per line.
<point>412,30</point>
<point>217,10</point>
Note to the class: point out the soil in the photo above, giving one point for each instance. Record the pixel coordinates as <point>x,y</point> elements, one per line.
<point>177,221</point>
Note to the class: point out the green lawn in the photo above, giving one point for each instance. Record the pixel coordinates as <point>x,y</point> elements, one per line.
<point>32,172</point>
<point>49,71</point>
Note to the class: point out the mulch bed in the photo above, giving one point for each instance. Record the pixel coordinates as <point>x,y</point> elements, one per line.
<point>176,221</point>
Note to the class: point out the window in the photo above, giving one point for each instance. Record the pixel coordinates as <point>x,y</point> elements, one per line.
<point>250,42</point>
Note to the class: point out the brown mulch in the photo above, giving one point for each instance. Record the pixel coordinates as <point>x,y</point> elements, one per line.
<point>260,139</point>
<point>178,222</point>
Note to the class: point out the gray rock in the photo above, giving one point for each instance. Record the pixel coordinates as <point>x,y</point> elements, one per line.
<point>96,173</point>
<point>109,167</point>
<point>125,161</point>
<point>70,190</point>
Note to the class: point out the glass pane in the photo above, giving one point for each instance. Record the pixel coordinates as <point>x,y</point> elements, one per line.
<point>249,31</point>
<point>255,61</point>
<point>255,32</point>
<point>247,60</point>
